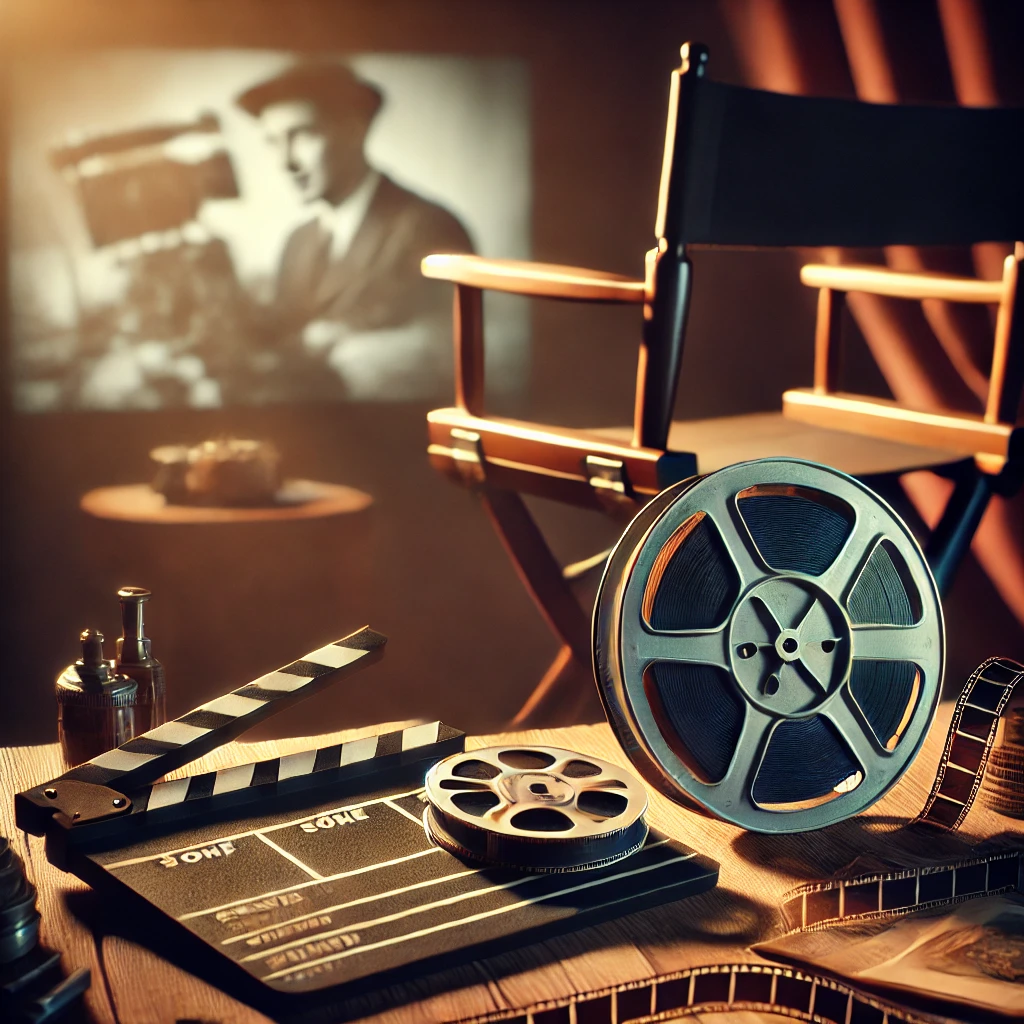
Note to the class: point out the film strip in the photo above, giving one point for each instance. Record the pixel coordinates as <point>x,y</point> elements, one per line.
<point>758,988</point>
<point>882,895</point>
<point>969,742</point>
<point>889,894</point>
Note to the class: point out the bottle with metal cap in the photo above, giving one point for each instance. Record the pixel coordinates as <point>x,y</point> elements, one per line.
<point>95,706</point>
<point>135,660</point>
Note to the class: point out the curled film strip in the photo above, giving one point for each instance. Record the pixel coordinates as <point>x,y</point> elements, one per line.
<point>969,742</point>
<point>720,988</point>
<point>888,894</point>
<point>802,995</point>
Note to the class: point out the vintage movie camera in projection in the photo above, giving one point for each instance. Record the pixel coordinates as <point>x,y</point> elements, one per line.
<point>149,179</point>
<point>174,325</point>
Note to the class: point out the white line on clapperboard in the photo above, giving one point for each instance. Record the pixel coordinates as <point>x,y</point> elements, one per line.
<point>421,909</point>
<point>402,810</point>
<point>305,885</point>
<point>373,898</point>
<point>290,856</point>
<point>255,831</point>
<point>448,925</point>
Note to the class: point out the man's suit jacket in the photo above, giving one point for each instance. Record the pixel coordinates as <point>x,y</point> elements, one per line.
<point>377,283</point>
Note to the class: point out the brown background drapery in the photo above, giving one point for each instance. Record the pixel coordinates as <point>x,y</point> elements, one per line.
<point>932,355</point>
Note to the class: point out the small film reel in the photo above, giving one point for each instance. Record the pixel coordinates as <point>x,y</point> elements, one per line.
<point>769,645</point>
<point>535,809</point>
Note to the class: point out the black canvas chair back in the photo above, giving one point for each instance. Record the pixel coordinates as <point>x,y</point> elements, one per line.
<point>746,168</point>
<point>749,168</point>
<point>752,168</point>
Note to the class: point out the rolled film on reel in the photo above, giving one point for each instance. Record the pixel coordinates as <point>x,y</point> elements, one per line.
<point>769,644</point>
<point>535,808</point>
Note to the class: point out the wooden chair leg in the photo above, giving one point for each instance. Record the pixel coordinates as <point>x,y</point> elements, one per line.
<point>565,696</point>
<point>951,538</point>
<point>540,572</point>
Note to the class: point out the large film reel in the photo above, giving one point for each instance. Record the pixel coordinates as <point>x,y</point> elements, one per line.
<point>769,644</point>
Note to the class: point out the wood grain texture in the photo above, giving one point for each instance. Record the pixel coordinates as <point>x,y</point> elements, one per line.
<point>723,440</point>
<point>1007,376</point>
<point>541,280</point>
<point>878,417</point>
<point>20,768</point>
<point>545,460</point>
<point>715,927</point>
<point>899,284</point>
<point>468,337</point>
<point>828,340</point>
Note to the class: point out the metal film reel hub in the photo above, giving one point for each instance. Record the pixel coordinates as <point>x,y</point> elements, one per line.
<point>769,644</point>
<point>535,808</point>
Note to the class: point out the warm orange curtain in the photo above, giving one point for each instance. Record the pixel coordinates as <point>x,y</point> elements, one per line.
<point>936,356</point>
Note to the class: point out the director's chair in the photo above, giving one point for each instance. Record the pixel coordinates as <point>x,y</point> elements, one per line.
<point>746,168</point>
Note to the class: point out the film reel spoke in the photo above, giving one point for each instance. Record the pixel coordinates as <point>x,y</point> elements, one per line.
<point>721,508</point>
<point>705,647</point>
<point>734,791</point>
<point>844,713</point>
<point>841,576</point>
<point>894,643</point>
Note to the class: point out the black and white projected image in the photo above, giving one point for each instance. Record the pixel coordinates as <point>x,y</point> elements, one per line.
<point>211,228</point>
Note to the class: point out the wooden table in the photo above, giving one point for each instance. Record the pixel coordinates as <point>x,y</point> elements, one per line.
<point>714,927</point>
<point>297,499</point>
<point>221,576</point>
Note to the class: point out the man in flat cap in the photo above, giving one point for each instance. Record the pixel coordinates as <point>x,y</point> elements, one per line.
<point>353,314</point>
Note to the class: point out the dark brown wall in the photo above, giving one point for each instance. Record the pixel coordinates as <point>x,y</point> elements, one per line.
<point>423,565</point>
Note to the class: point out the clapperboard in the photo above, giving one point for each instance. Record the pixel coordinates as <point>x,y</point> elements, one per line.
<point>313,870</point>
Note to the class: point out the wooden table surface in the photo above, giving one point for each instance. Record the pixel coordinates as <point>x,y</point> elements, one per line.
<point>131,984</point>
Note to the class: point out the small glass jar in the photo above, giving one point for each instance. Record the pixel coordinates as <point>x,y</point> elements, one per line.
<point>95,706</point>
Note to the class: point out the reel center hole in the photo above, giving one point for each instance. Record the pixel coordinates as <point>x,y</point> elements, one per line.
<point>789,645</point>
<point>538,787</point>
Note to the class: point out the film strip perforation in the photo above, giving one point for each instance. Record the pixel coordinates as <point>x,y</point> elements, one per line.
<point>719,988</point>
<point>972,732</point>
<point>886,895</point>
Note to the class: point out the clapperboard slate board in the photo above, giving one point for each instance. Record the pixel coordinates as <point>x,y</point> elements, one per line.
<point>334,881</point>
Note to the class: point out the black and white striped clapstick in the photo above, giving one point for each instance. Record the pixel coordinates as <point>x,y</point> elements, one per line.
<point>197,799</point>
<point>100,788</point>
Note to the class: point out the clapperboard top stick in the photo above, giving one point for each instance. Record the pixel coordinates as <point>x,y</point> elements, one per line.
<point>118,784</point>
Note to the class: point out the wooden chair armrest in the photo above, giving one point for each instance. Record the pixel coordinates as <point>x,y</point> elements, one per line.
<point>544,280</point>
<point>882,281</point>
<point>571,466</point>
<point>879,417</point>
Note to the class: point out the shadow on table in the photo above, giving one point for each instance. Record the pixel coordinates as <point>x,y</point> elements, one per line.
<point>872,840</point>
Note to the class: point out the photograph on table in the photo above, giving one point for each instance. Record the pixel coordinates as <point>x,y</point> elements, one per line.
<point>969,955</point>
<point>214,228</point>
